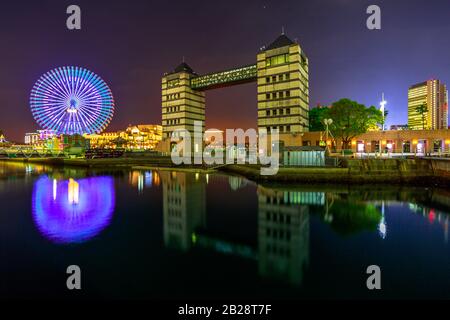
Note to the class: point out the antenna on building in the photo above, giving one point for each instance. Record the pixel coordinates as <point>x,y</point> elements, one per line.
<point>282,30</point>
<point>183,60</point>
<point>382,108</point>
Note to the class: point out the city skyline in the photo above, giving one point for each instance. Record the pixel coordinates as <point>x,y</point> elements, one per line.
<point>213,159</point>
<point>347,59</point>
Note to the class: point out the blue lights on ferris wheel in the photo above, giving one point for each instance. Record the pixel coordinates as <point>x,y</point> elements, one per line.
<point>72,100</point>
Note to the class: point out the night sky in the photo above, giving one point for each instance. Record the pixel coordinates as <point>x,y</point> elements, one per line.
<point>130,44</point>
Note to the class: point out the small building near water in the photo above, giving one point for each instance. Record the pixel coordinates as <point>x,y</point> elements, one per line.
<point>310,156</point>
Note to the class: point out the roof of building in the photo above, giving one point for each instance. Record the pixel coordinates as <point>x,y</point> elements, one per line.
<point>279,42</point>
<point>304,148</point>
<point>183,67</point>
<point>417,85</point>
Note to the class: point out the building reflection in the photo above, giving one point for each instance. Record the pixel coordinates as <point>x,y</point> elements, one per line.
<point>184,208</point>
<point>434,216</point>
<point>283,233</point>
<point>142,179</point>
<point>72,210</point>
<point>236,182</point>
<point>282,250</point>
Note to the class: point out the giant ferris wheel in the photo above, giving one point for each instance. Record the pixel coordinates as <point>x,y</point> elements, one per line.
<point>72,100</point>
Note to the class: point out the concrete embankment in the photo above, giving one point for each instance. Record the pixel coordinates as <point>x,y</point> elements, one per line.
<point>410,171</point>
<point>101,163</point>
<point>423,171</point>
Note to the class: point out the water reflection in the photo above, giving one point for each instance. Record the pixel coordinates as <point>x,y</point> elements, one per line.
<point>269,239</point>
<point>72,211</point>
<point>144,179</point>
<point>282,249</point>
<point>283,233</point>
<point>184,208</point>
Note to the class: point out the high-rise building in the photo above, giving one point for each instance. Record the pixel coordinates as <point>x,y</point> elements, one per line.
<point>434,96</point>
<point>281,73</point>
<point>283,90</point>
<point>181,105</point>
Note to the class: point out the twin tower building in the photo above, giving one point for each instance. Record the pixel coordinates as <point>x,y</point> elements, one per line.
<point>281,74</point>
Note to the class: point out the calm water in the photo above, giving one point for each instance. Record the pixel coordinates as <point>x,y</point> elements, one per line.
<point>175,235</point>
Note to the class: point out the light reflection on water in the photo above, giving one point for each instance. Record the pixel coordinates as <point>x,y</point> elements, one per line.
<point>72,211</point>
<point>293,235</point>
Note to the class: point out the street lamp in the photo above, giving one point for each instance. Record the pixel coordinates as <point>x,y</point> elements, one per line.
<point>327,122</point>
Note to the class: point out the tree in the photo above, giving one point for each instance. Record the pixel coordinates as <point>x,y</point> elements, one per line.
<point>316,116</point>
<point>351,217</point>
<point>422,110</point>
<point>351,119</point>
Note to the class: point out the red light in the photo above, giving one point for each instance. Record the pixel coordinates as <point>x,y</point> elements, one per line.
<point>431,216</point>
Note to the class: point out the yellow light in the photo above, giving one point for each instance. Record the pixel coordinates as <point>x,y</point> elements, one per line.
<point>55,188</point>
<point>415,141</point>
<point>447,141</point>
<point>73,191</point>
<point>353,143</point>
<point>383,142</point>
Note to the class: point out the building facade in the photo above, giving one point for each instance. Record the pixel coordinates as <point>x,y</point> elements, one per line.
<point>434,96</point>
<point>395,141</point>
<point>140,137</point>
<point>39,138</point>
<point>281,74</point>
<point>283,87</point>
<point>181,105</point>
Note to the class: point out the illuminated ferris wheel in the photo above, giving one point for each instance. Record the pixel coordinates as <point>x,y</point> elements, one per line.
<point>72,100</point>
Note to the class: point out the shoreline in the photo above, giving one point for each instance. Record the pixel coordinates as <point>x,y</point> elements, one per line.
<point>420,171</point>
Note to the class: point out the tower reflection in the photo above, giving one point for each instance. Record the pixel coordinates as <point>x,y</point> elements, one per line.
<point>72,211</point>
<point>283,233</point>
<point>282,247</point>
<point>184,208</point>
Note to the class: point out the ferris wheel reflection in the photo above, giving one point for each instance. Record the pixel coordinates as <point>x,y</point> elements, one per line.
<point>72,211</point>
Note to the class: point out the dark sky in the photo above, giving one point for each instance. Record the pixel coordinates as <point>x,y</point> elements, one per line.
<point>130,44</point>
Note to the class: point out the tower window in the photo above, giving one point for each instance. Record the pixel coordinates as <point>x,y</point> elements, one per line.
<point>276,60</point>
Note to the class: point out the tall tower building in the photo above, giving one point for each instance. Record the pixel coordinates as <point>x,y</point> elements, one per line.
<point>181,105</point>
<point>281,73</point>
<point>433,94</point>
<point>283,89</point>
